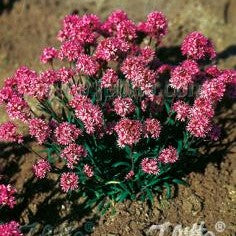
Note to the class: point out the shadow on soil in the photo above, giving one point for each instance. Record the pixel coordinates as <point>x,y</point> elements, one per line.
<point>7,5</point>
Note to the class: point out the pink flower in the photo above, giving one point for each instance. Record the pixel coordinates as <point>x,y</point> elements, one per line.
<point>69,181</point>
<point>25,79</point>
<point>6,93</point>
<point>109,79</point>
<point>147,54</point>
<point>70,50</point>
<point>130,175</point>
<point>87,65</point>
<point>7,195</point>
<point>115,18</point>
<point>111,48</point>
<point>123,106</point>
<point>128,131</point>
<point>164,68</point>
<point>72,153</point>
<point>66,133</point>
<point>126,30</point>
<point>197,46</point>
<point>65,74</point>
<point>199,126</point>
<point>28,82</point>
<point>152,128</point>
<point>10,229</point>
<point>88,170</point>
<point>17,108</point>
<point>39,129</point>
<point>182,76</point>
<point>213,71</point>
<point>144,104</point>
<point>48,77</point>
<point>77,89</point>
<point>69,28</point>
<point>168,155</point>
<point>41,168</point>
<point>182,109</point>
<point>202,107</point>
<point>150,166</point>
<point>228,76</point>
<point>213,90</point>
<point>155,26</point>
<point>83,29</point>
<point>8,133</point>
<point>120,26</point>
<point>88,113</point>
<point>48,55</point>
<point>140,76</point>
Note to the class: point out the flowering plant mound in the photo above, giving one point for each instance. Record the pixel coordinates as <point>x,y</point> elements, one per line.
<point>102,107</point>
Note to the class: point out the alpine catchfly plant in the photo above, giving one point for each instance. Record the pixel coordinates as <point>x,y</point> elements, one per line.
<point>101,108</point>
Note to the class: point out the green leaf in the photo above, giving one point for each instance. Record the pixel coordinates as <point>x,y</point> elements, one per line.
<point>167,106</point>
<point>122,197</point>
<point>153,182</point>
<point>180,145</point>
<point>168,190</point>
<point>88,149</point>
<point>121,163</point>
<point>128,150</point>
<point>180,181</point>
<point>149,195</point>
<point>138,112</point>
<point>136,156</point>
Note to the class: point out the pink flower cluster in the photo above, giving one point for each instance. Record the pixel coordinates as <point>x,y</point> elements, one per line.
<point>139,74</point>
<point>152,128</point>
<point>128,131</point>
<point>7,195</point>
<point>182,110</point>
<point>48,55</point>
<point>87,65</point>
<point>81,29</point>
<point>155,26</point>
<point>118,25</point>
<point>10,229</point>
<point>168,155</point>
<point>202,110</point>
<point>17,108</point>
<point>182,76</point>
<point>109,79</point>
<point>39,129</point>
<point>41,168</point>
<point>66,133</point>
<point>69,181</point>
<point>110,49</point>
<point>197,46</point>
<point>87,112</point>
<point>32,84</point>
<point>72,153</point>
<point>123,106</point>
<point>8,133</point>
<point>88,170</point>
<point>150,166</point>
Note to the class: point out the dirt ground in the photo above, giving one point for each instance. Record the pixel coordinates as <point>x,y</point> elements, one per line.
<point>26,26</point>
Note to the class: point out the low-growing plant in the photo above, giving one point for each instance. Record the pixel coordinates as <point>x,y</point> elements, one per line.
<point>117,122</point>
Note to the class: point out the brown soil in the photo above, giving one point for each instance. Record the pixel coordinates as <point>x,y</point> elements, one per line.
<point>26,26</point>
